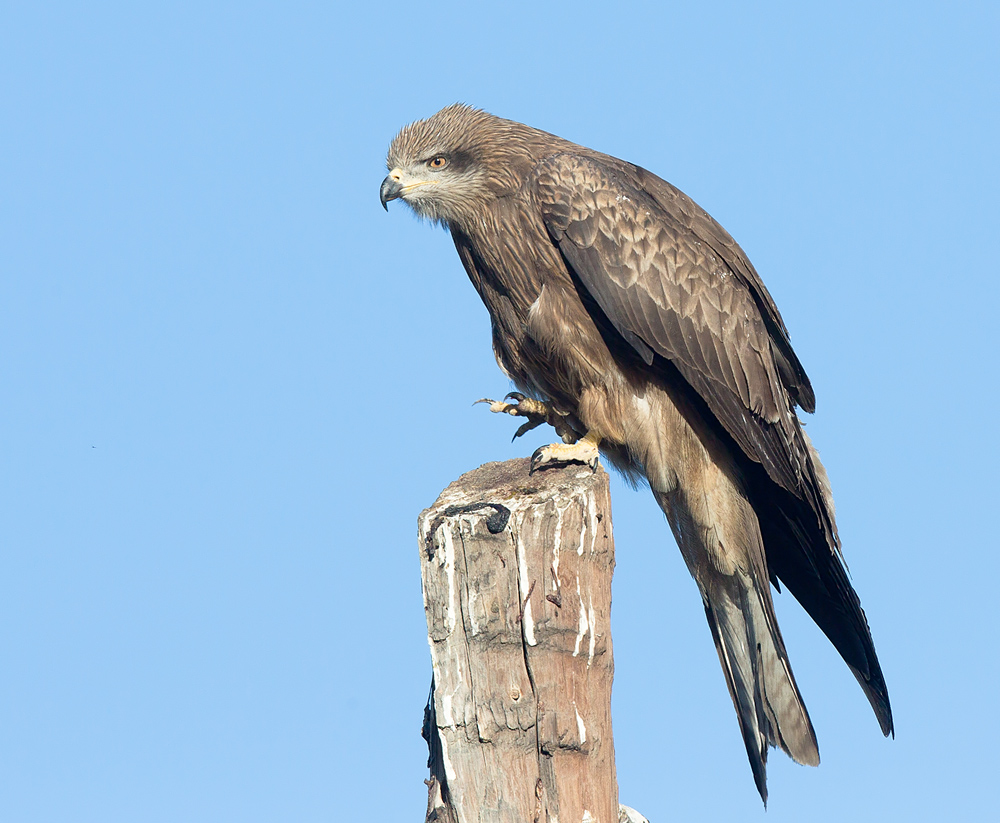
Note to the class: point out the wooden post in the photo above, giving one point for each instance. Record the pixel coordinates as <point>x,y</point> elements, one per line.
<point>517,591</point>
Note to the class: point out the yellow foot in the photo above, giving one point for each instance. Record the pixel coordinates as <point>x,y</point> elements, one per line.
<point>536,411</point>
<point>557,455</point>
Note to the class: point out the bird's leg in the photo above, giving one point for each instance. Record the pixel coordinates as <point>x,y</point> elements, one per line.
<point>573,449</point>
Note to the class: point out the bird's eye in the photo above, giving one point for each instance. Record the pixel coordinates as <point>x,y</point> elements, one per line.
<point>438,162</point>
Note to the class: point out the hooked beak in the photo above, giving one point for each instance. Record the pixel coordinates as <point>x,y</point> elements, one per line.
<point>391,189</point>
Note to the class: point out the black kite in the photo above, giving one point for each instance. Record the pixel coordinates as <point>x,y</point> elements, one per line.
<point>634,323</point>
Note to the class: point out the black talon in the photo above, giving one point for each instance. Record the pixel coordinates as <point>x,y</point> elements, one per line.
<point>525,428</point>
<point>534,465</point>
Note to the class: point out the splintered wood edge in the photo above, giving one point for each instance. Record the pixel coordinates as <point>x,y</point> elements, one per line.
<point>508,485</point>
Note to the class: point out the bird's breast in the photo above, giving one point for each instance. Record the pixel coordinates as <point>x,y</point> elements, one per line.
<point>544,337</point>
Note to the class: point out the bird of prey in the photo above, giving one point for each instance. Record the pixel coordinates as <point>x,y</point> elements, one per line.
<point>631,321</point>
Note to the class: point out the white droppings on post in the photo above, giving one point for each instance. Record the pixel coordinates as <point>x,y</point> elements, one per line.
<point>593,631</point>
<point>449,769</point>
<point>527,621</point>
<point>446,666</point>
<point>449,570</point>
<point>592,517</point>
<point>579,725</point>
<point>582,624</point>
<point>446,713</point>
<point>588,817</point>
<point>556,538</point>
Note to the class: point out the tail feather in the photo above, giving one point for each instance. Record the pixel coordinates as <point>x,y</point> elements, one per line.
<point>768,704</point>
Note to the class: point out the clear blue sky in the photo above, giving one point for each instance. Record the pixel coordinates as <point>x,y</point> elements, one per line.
<point>229,383</point>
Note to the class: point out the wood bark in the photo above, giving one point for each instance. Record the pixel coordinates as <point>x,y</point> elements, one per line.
<point>517,591</point>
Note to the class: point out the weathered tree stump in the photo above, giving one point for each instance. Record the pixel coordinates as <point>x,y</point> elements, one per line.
<point>517,591</point>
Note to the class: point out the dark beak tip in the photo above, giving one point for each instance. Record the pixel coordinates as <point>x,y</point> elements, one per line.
<point>390,190</point>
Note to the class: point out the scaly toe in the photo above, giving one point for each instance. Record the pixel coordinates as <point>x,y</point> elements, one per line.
<point>557,455</point>
<point>498,406</point>
<point>521,407</point>
<point>528,406</point>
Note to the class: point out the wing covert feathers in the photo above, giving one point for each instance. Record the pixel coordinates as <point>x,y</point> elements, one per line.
<point>669,291</point>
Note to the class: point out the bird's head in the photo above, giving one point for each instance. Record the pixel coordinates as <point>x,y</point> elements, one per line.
<point>447,167</point>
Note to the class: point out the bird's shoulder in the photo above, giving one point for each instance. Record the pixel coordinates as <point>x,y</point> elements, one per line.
<point>654,234</point>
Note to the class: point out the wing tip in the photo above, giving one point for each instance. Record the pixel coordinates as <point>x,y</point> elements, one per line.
<point>873,685</point>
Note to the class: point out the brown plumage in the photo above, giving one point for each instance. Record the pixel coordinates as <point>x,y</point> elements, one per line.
<point>625,306</point>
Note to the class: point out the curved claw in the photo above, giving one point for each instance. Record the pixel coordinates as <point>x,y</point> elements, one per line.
<point>524,428</point>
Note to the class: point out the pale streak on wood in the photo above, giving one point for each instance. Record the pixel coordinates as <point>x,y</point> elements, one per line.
<point>582,625</point>
<point>527,623</point>
<point>519,720</point>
